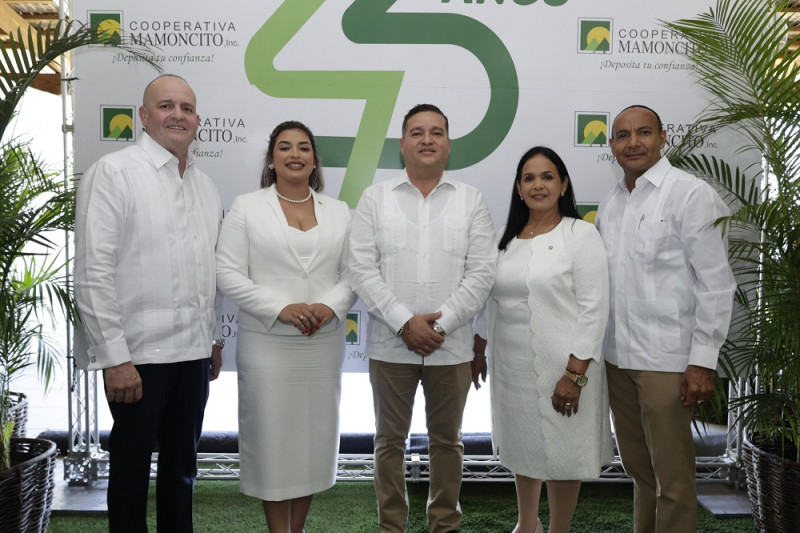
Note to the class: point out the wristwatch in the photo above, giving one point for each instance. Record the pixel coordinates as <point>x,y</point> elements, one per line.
<point>438,329</point>
<point>218,342</point>
<point>578,379</point>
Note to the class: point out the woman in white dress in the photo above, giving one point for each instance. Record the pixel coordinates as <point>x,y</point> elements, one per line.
<point>281,259</point>
<point>547,315</point>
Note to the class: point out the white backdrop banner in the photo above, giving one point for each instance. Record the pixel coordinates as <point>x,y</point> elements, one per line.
<point>509,75</point>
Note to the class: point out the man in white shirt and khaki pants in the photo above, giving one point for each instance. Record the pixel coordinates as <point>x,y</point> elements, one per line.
<point>422,259</point>
<point>146,226</point>
<point>671,294</point>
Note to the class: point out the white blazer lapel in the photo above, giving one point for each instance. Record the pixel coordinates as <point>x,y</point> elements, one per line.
<point>323,230</point>
<point>281,223</point>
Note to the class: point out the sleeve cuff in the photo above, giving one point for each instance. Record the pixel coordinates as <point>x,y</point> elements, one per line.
<point>705,356</point>
<point>479,324</point>
<point>398,317</point>
<point>448,320</point>
<point>108,355</point>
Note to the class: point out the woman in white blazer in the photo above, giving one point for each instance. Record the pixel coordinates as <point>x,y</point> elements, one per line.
<point>281,258</point>
<point>547,314</point>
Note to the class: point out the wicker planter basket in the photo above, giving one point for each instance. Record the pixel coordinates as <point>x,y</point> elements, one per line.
<point>773,486</point>
<point>18,413</point>
<point>26,489</point>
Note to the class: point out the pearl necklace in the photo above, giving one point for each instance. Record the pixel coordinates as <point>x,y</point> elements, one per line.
<point>282,197</point>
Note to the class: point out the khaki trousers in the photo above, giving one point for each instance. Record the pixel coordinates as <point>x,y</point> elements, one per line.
<point>654,436</point>
<point>393,389</point>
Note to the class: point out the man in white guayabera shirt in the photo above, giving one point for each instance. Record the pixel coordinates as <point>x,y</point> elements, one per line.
<point>422,259</point>
<point>145,281</point>
<point>671,294</point>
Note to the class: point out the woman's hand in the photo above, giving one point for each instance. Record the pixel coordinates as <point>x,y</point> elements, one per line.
<point>566,397</point>
<point>567,394</point>
<point>322,314</point>
<point>301,316</point>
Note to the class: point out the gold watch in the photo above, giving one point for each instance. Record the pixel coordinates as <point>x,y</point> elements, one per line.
<point>578,379</point>
<point>438,329</point>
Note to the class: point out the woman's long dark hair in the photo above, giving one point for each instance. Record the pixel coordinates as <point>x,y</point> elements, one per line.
<point>519,213</point>
<point>269,176</point>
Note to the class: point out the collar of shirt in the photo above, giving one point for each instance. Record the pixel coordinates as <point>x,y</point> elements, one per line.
<point>159,155</point>
<point>403,179</point>
<point>655,175</point>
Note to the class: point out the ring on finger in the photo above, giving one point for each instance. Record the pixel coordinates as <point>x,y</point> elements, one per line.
<point>568,406</point>
<point>302,318</point>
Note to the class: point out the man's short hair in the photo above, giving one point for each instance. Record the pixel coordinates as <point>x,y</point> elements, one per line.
<point>421,108</point>
<point>640,106</point>
<point>165,75</point>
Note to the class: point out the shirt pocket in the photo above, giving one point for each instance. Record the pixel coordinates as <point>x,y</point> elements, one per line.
<point>392,234</point>
<point>456,236</point>
<point>652,238</point>
<point>654,326</point>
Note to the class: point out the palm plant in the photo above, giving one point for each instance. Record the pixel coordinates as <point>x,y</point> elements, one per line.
<point>746,60</point>
<point>34,289</point>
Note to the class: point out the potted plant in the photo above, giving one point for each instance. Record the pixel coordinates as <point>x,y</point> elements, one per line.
<point>746,59</point>
<point>36,207</point>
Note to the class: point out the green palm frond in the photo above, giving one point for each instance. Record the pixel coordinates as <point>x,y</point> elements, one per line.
<point>32,205</point>
<point>746,61</point>
<point>27,55</point>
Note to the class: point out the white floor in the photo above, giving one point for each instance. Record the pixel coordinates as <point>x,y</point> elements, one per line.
<point>50,412</point>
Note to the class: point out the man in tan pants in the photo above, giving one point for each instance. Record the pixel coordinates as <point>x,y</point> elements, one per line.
<point>671,295</point>
<point>422,260</point>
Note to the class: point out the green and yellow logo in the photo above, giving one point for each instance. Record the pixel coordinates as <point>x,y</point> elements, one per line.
<point>591,129</point>
<point>370,148</point>
<point>594,36</point>
<point>117,123</point>
<point>107,26</point>
<point>588,212</point>
<point>351,327</point>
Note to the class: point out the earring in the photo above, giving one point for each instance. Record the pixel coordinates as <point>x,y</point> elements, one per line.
<point>271,166</point>
<point>520,197</point>
<point>562,194</point>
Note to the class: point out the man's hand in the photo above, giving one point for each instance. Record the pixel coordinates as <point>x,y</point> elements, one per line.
<point>216,361</point>
<point>419,336</point>
<point>478,364</point>
<point>697,385</point>
<point>123,384</point>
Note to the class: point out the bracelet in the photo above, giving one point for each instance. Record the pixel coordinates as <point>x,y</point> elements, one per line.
<point>402,329</point>
<point>479,354</point>
<point>218,342</point>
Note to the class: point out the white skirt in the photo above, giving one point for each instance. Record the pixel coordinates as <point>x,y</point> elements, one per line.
<point>289,390</point>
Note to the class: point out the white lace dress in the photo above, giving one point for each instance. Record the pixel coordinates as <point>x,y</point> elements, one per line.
<point>550,299</point>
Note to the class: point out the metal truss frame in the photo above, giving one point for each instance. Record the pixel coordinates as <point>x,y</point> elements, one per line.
<point>358,467</point>
<point>86,461</point>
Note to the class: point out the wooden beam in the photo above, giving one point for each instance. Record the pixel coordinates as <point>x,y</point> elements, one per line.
<point>50,83</point>
<point>10,21</point>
